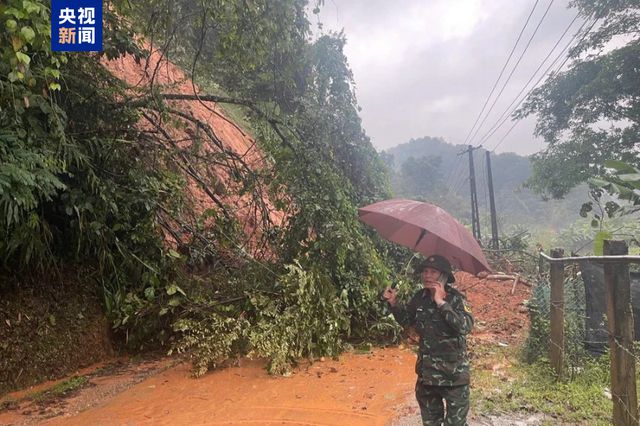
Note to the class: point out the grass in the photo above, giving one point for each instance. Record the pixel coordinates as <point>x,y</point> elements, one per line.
<point>502,383</point>
<point>61,390</point>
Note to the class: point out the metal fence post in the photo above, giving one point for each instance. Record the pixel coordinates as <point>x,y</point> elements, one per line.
<point>621,327</point>
<point>556,350</point>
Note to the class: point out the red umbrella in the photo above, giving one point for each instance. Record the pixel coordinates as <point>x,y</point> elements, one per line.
<point>427,229</point>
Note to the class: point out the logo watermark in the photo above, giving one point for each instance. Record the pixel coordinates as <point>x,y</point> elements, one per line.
<point>76,25</point>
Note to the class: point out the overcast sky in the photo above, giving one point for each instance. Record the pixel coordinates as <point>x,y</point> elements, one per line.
<point>425,67</point>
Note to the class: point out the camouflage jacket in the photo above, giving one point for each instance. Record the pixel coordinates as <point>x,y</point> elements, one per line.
<point>442,358</point>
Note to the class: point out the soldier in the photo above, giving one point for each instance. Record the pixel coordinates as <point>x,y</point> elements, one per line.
<point>441,318</point>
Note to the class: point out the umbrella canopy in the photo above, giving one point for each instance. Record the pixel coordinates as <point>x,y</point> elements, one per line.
<point>427,229</point>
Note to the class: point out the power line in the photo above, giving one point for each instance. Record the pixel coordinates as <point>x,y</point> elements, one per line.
<point>508,110</point>
<point>504,86</point>
<point>537,82</point>
<point>460,185</point>
<point>464,178</point>
<point>504,67</point>
<point>515,123</point>
<point>460,179</point>
<point>451,177</point>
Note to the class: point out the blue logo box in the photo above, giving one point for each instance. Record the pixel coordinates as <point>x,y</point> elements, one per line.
<point>76,25</point>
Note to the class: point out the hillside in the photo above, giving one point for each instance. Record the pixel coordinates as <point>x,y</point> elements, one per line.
<point>431,159</point>
<point>142,212</point>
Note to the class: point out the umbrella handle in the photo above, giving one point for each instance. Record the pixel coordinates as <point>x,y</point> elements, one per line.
<point>406,268</point>
<point>395,283</point>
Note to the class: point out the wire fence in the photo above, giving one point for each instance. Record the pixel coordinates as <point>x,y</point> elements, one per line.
<point>590,297</point>
<point>579,346</point>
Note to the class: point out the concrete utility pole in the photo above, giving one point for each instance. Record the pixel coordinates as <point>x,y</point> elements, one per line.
<point>492,205</point>
<point>475,216</point>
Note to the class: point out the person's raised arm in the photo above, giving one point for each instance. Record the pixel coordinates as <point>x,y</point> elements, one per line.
<point>405,315</point>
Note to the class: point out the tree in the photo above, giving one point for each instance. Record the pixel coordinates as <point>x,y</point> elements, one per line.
<point>590,113</point>
<point>421,176</point>
<point>92,176</point>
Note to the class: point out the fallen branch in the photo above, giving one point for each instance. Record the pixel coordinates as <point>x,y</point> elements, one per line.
<point>515,282</point>
<point>500,277</point>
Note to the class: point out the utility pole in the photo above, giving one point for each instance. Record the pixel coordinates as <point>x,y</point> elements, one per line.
<point>475,216</point>
<point>492,206</point>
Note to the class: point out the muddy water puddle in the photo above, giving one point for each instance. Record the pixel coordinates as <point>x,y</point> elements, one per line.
<point>356,389</point>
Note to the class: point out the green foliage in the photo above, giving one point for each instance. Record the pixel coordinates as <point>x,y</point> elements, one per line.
<point>83,183</point>
<point>537,344</point>
<point>598,242</point>
<point>599,87</point>
<point>622,181</point>
<point>25,37</point>
<point>580,236</point>
<point>533,390</point>
<point>74,186</point>
<point>61,390</point>
<point>30,171</point>
<point>517,239</point>
<point>309,319</point>
<point>420,176</point>
<point>211,340</point>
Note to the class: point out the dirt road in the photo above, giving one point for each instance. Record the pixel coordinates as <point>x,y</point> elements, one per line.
<point>374,388</point>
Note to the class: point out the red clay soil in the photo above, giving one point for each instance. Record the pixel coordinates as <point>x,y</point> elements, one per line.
<point>355,390</point>
<point>170,78</point>
<point>367,389</point>
<point>499,315</point>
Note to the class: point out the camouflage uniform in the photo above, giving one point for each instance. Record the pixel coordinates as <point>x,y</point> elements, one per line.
<point>442,366</point>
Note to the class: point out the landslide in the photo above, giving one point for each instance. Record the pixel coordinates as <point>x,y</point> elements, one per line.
<point>51,325</point>
<point>191,234</point>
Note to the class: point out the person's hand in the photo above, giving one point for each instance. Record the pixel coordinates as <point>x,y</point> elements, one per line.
<point>437,291</point>
<point>389,295</point>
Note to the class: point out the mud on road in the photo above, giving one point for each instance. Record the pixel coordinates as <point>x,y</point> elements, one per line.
<point>374,388</point>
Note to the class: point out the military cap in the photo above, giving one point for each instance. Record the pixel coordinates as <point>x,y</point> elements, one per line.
<point>438,262</point>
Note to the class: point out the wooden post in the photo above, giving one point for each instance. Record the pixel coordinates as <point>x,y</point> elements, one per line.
<point>540,264</point>
<point>556,351</point>
<point>620,320</point>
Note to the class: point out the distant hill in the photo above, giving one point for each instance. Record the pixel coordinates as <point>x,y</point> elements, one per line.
<point>431,169</point>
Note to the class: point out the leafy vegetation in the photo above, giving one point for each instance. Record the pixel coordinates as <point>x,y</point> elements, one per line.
<point>533,389</point>
<point>92,175</point>
<point>62,389</point>
<point>600,86</point>
<point>94,186</point>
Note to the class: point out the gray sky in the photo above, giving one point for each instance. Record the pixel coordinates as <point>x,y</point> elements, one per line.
<point>425,67</point>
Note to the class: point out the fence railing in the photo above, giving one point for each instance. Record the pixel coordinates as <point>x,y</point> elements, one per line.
<point>620,323</point>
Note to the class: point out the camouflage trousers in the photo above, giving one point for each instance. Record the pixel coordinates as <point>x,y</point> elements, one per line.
<point>432,408</point>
